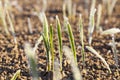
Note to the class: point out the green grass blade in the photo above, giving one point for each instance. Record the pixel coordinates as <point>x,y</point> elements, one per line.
<point>46,39</point>
<point>44,21</point>
<point>114,49</point>
<point>71,39</point>
<point>59,40</point>
<point>31,61</point>
<point>81,39</point>
<point>99,13</point>
<point>3,18</point>
<point>51,46</point>
<point>47,46</point>
<point>91,25</point>
<point>17,74</point>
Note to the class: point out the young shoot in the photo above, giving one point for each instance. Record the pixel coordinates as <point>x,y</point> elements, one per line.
<point>72,42</point>
<point>99,56</point>
<point>81,39</point>
<point>59,33</point>
<point>47,46</point>
<point>52,47</point>
<point>29,25</point>
<point>31,56</point>
<point>99,12</point>
<point>3,17</point>
<point>16,75</point>
<point>91,25</point>
<point>11,26</point>
<point>45,36</point>
<point>75,69</point>
<point>112,32</point>
<point>69,6</point>
<point>110,6</point>
<point>44,5</point>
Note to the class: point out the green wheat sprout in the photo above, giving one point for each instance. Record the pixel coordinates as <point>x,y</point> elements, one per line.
<point>91,25</point>
<point>16,75</point>
<point>72,42</point>
<point>81,39</point>
<point>45,35</point>
<point>99,13</point>
<point>3,17</point>
<point>59,40</point>
<point>52,46</point>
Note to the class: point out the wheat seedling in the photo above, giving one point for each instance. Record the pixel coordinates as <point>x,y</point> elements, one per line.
<point>72,42</point>
<point>51,46</point>
<point>11,26</point>
<point>81,39</point>
<point>31,61</point>
<point>16,75</point>
<point>91,21</point>
<point>59,40</point>
<point>29,25</point>
<point>47,46</point>
<point>75,69</point>
<point>99,12</point>
<point>44,5</point>
<point>45,35</point>
<point>110,6</point>
<point>99,56</point>
<point>91,25</point>
<point>3,17</point>
<point>69,7</point>
<point>113,31</point>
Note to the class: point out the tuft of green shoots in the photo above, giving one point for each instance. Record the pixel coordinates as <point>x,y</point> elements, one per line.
<point>16,75</point>
<point>99,12</point>
<point>99,56</point>
<point>45,35</point>
<point>76,72</point>
<point>59,40</point>
<point>52,46</point>
<point>91,25</point>
<point>81,39</point>
<point>113,31</point>
<point>71,39</point>
<point>31,61</point>
<point>3,17</point>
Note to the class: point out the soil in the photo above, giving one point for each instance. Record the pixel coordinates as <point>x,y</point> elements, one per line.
<point>13,58</point>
